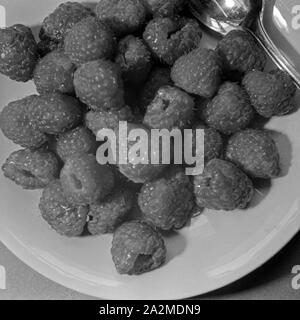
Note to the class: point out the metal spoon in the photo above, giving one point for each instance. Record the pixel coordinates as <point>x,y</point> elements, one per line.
<point>223,16</point>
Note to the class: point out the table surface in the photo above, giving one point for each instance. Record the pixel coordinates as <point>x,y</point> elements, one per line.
<point>271,281</point>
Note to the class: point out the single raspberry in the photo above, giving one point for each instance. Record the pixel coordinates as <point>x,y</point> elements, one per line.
<point>223,186</point>
<point>85,181</point>
<point>123,16</point>
<point>255,152</point>
<point>31,169</point>
<point>270,93</point>
<point>170,38</point>
<point>167,202</point>
<point>18,52</point>
<point>62,19</point>
<point>230,110</point>
<point>55,113</point>
<point>137,248</point>
<point>15,124</point>
<point>99,85</point>
<point>198,72</point>
<point>134,59</point>
<point>54,73</point>
<point>138,168</point>
<point>107,119</point>
<point>105,217</point>
<point>240,52</point>
<point>64,217</point>
<point>158,77</point>
<point>171,108</point>
<point>78,140</point>
<point>90,39</point>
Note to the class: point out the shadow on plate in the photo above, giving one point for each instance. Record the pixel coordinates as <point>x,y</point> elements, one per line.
<point>175,243</point>
<point>285,150</point>
<point>262,188</point>
<point>259,284</point>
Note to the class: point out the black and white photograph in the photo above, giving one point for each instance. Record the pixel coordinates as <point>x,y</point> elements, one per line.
<point>149,151</point>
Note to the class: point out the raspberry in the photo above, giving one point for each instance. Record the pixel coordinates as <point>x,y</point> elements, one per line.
<point>31,169</point>
<point>89,40</point>
<point>223,186</point>
<point>54,73</point>
<point>78,140</point>
<point>107,216</point>
<point>62,19</point>
<point>230,110</point>
<point>99,85</point>
<point>137,248</point>
<point>107,119</point>
<point>142,171</point>
<point>167,202</point>
<point>165,8</point>
<point>134,59</point>
<point>170,38</point>
<point>241,53</point>
<point>198,72</point>
<point>123,16</point>
<point>64,217</point>
<point>171,108</point>
<point>18,52</point>
<point>85,181</point>
<point>15,124</point>
<point>270,93</point>
<point>255,152</point>
<point>54,113</point>
<point>159,77</point>
<point>213,143</point>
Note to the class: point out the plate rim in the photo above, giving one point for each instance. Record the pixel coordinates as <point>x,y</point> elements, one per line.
<point>266,252</point>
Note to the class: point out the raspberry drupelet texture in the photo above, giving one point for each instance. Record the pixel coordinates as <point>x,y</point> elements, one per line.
<point>230,110</point>
<point>105,217</point>
<point>270,93</point>
<point>64,217</point>
<point>255,152</point>
<point>62,19</point>
<point>170,38</point>
<point>107,119</point>
<point>18,52</point>
<point>31,169</point>
<point>171,108</point>
<point>165,8</point>
<point>84,181</point>
<point>123,16</point>
<point>15,124</point>
<point>78,140</point>
<point>158,77</point>
<point>54,73</point>
<point>134,59</point>
<point>55,113</point>
<point>223,186</point>
<point>213,143</point>
<point>167,202</point>
<point>99,85</point>
<point>48,45</point>
<point>240,52</point>
<point>198,72</point>
<point>90,39</point>
<point>137,248</point>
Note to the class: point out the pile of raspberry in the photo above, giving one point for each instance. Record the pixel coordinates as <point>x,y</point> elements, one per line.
<point>140,61</point>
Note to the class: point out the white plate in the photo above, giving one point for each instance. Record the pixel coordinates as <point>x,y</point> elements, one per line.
<point>215,250</point>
